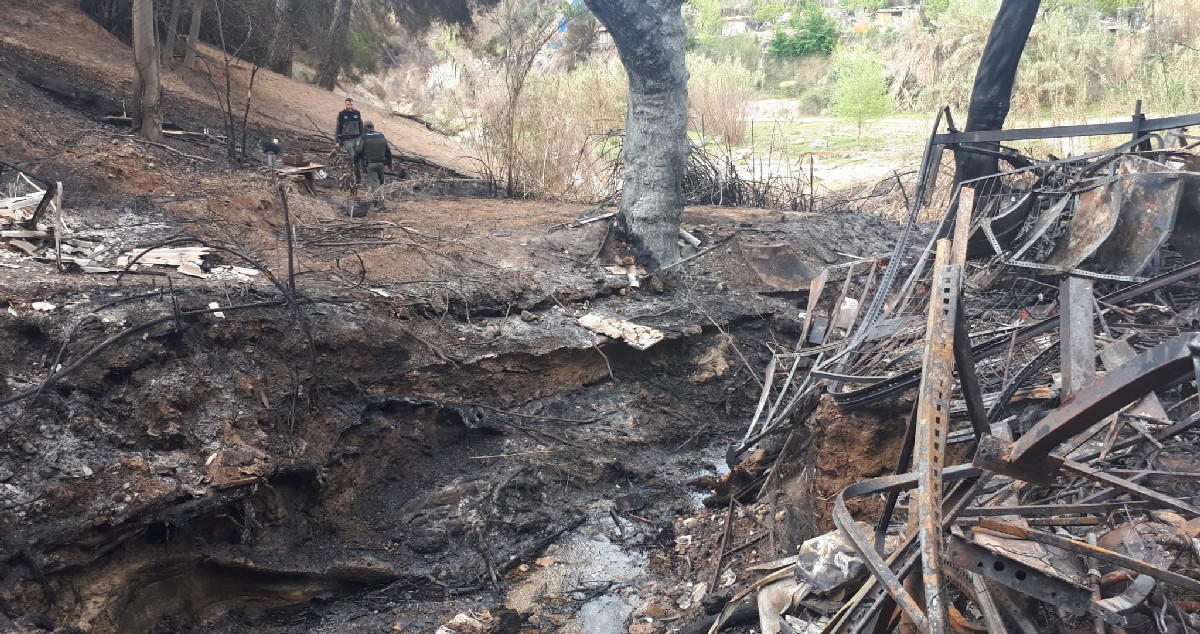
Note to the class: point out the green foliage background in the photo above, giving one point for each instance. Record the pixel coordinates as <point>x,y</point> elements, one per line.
<point>808,31</point>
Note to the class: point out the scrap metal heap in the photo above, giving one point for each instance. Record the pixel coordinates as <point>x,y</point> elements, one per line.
<point>1049,325</point>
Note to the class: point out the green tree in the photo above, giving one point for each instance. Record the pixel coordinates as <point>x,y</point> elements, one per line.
<point>859,89</point>
<point>769,10</point>
<point>808,31</point>
<point>707,20</point>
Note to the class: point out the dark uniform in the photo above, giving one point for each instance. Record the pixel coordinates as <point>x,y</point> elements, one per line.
<point>348,130</point>
<point>373,149</point>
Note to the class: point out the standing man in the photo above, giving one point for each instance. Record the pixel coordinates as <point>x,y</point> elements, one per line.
<point>374,150</point>
<point>349,128</point>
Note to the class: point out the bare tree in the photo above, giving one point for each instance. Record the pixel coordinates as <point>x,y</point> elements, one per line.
<point>147,83</point>
<point>650,37</point>
<point>193,39</point>
<point>525,28</point>
<point>224,94</point>
<point>172,37</point>
<point>335,45</point>
<point>992,94</point>
<point>279,52</point>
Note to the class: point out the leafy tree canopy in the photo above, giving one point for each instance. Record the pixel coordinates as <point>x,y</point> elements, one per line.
<point>770,10</point>
<point>809,31</point>
<point>859,89</point>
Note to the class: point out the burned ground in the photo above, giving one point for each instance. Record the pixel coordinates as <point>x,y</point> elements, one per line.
<point>395,442</point>
<point>412,443</point>
<point>411,419</point>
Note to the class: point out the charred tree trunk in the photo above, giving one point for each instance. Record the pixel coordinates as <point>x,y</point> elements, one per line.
<point>992,95</point>
<point>650,38</point>
<point>335,46</point>
<point>147,84</point>
<point>279,54</point>
<point>168,43</point>
<point>193,39</point>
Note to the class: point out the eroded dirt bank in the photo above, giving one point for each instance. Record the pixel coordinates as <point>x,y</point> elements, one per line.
<point>422,428</point>
<point>396,449</point>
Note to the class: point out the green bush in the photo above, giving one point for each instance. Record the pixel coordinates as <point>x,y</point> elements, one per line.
<point>808,31</point>
<point>870,5</point>
<point>705,22</point>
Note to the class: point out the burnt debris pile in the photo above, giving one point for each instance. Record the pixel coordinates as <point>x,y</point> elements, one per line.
<point>1046,329</point>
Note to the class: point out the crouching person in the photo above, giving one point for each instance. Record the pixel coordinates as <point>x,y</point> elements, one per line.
<point>373,149</point>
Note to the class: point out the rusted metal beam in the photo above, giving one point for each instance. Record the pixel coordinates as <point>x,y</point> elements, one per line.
<point>933,427</point>
<point>1075,302</point>
<point>962,225</point>
<point>1119,352</point>
<point>1025,579</point>
<point>963,360</point>
<point>1029,457</point>
<point>1045,510</point>
<point>1096,475</point>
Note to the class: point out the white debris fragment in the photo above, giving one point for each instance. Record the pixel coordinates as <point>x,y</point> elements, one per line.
<point>467,623</point>
<point>190,268</point>
<point>44,306</point>
<point>218,314</point>
<point>639,337</point>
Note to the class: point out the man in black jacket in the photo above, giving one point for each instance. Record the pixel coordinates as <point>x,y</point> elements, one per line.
<point>373,149</point>
<point>348,130</point>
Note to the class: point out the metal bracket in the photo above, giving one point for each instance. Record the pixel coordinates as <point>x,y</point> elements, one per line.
<point>1008,572</point>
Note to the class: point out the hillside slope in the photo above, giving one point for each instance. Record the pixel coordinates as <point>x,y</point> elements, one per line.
<point>55,39</point>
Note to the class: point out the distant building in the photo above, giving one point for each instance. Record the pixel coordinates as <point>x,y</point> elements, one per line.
<point>899,17</point>
<point>735,25</point>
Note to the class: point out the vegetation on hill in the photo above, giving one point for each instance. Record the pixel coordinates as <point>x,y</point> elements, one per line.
<point>470,71</point>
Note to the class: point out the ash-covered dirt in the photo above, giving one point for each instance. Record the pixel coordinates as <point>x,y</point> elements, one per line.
<point>422,428</point>
<point>362,457</point>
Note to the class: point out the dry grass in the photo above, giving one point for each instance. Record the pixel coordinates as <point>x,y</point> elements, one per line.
<point>719,95</point>
<point>561,124</point>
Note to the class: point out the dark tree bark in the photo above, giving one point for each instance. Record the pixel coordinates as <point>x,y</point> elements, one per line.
<point>991,96</point>
<point>335,46</point>
<point>147,85</point>
<point>172,37</point>
<point>279,53</point>
<point>650,37</point>
<point>193,39</point>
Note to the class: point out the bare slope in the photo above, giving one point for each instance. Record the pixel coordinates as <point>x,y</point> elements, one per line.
<point>54,38</point>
